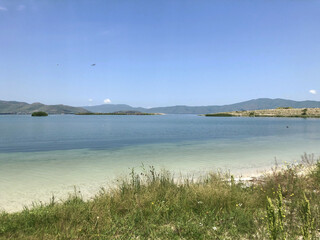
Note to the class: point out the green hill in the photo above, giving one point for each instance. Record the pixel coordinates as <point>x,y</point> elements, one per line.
<point>12,107</point>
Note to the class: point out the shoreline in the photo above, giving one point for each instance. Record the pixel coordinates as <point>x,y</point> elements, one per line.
<point>88,192</point>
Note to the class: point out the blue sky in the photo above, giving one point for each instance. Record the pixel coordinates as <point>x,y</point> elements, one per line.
<point>158,53</point>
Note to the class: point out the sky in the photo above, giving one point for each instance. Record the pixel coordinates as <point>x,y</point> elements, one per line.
<point>159,53</point>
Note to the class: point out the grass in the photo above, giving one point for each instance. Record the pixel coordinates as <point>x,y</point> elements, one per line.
<point>155,205</point>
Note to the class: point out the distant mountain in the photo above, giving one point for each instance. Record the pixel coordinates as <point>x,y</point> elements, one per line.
<point>12,107</point>
<point>255,104</point>
<point>110,108</point>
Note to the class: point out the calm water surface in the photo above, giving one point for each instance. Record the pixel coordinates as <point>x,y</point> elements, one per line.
<point>44,156</point>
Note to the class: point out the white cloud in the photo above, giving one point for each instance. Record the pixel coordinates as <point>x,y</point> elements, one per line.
<point>3,8</point>
<point>21,7</point>
<point>313,91</point>
<point>107,101</point>
<point>90,99</point>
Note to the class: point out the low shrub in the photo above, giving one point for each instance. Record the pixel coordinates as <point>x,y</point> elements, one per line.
<point>39,114</point>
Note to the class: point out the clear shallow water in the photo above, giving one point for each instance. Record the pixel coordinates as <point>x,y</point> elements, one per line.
<point>44,156</point>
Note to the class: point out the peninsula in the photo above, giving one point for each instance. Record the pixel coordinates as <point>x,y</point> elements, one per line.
<point>279,112</point>
<point>121,113</point>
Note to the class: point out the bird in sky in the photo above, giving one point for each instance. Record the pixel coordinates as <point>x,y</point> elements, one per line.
<point>92,65</point>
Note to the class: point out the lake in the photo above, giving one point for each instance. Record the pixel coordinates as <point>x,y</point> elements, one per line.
<point>41,157</point>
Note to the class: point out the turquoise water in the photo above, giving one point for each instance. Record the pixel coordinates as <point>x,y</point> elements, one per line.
<point>44,156</point>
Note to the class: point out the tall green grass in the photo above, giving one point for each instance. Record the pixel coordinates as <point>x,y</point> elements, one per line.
<point>156,205</point>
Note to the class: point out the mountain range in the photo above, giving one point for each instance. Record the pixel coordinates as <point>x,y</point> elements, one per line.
<point>12,107</point>
<point>255,104</point>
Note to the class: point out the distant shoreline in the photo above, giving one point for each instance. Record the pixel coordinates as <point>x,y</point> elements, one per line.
<point>14,107</point>
<point>120,113</point>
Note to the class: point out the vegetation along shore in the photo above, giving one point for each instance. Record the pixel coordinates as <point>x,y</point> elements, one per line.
<point>283,204</point>
<point>279,112</point>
